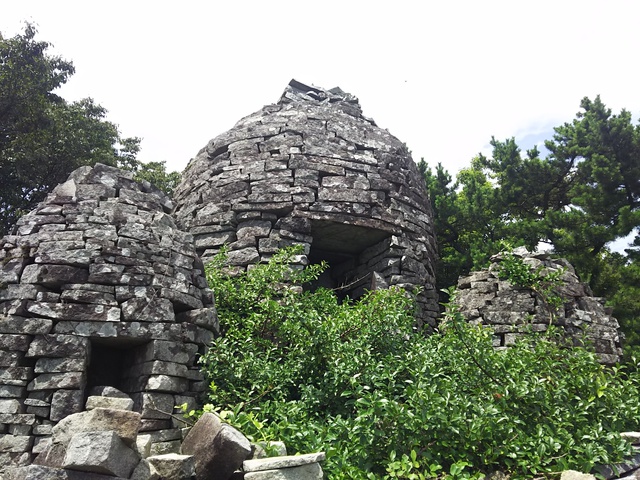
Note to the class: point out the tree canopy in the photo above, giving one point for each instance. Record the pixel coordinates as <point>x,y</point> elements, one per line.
<point>43,137</point>
<point>578,199</point>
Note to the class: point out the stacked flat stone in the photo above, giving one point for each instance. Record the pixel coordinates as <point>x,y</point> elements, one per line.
<point>98,267</point>
<point>292,467</point>
<point>312,170</point>
<point>513,312</point>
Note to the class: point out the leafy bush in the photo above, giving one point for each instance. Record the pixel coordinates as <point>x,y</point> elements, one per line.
<point>542,282</point>
<point>356,380</point>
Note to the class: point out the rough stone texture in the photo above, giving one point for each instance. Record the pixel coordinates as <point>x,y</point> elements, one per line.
<point>512,312</point>
<point>95,401</point>
<point>312,471</point>
<point>100,452</point>
<point>201,434</point>
<point>312,170</point>
<point>99,289</point>
<point>145,471</point>
<point>173,466</point>
<point>259,450</point>
<point>274,463</point>
<point>218,449</point>
<point>125,423</point>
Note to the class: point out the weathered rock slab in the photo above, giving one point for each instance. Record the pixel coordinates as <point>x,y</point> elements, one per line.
<point>173,466</point>
<point>124,423</point>
<point>218,449</point>
<point>100,452</point>
<point>289,461</point>
<point>312,471</point>
<point>112,403</point>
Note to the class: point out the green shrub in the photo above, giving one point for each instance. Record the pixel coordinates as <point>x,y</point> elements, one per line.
<point>542,282</point>
<point>356,380</point>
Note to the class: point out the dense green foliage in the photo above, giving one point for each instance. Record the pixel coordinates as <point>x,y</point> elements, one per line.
<point>582,196</point>
<point>356,380</point>
<point>43,138</point>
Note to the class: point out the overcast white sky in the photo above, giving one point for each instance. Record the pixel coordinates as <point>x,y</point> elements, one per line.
<point>441,76</point>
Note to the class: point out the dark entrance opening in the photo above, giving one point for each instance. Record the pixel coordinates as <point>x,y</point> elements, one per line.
<point>341,246</point>
<point>110,361</point>
<point>105,366</point>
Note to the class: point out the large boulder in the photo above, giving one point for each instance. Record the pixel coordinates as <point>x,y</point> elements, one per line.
<point>218,448</point>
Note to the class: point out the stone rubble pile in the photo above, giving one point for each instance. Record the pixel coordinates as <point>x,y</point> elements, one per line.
<point>512,312</point>
<point>312,170</point>
<point>105,442</point>
<point>98,287</point>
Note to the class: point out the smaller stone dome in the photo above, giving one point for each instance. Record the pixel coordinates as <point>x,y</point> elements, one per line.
<point>512,312</point>
<point>99,288</point>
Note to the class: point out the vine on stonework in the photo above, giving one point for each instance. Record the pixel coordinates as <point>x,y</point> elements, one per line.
<point>543,282</point>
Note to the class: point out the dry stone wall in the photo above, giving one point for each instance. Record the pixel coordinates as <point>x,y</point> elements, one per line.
<point>98,288</point>
<point>512,312</point>
<point>102,286</point>
<point>312,170</point>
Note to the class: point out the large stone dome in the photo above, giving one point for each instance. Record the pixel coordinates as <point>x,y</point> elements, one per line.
<point>312,170</point>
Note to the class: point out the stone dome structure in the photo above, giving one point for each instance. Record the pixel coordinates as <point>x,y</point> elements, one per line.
<point>312,170</point>
<point>98,289</point>
<point>512,312</point>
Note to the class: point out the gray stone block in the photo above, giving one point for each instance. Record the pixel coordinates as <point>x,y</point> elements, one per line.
<point>18,343</point>
<point>57,365</point>
<point>144,471</point>
<point>262,449</point>
<point>75,311</point>
<point>19,430</point>
<point>154,405</point>
<point>148,310</point>
<point>107,391</point>
<point>124,423</point>
<point>51,381</point>
<point>57,345</point>
<point>163,448</point>
<point>100,452</point>
<point>53,275</point>
<point>10,359</point>
<point>10,406</point>
<point>173,466</point>
<point>219,449</point>
<point>275,463</point>
<point>30,326</point>
<point>15,443</point>
<point>52,455</point>
<point>66,402</point>
<point>17,418</point>
<point>311,471</point>
<point>112,403</point>
<point>9,374</point>
<point>35,472</point>
<point>166,383</point>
